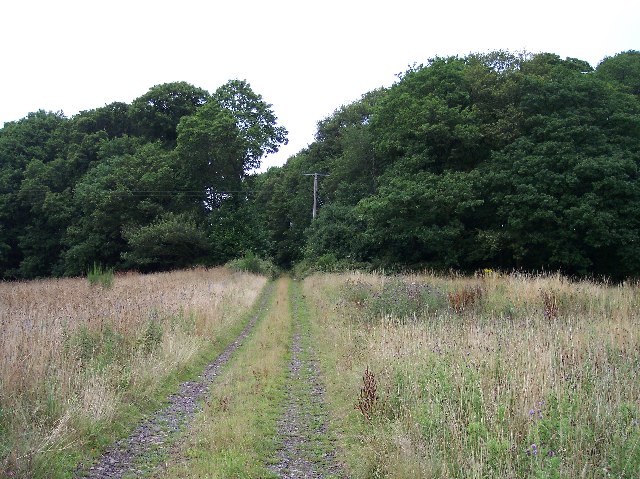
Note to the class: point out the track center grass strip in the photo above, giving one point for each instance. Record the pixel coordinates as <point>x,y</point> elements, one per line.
<point>235,434</point>
<point>307,448</point>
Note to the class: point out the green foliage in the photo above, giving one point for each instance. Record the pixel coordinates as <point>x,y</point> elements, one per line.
<point>623,70</point>
<point>498,159</point>
<point>501,160</point>
<point>172,240</point>
<point>254,120</point>
<point>254,264</point>
<point>97,275</point>
<point>396,297</point>
<point>210,151</point>
<point>156,114</point>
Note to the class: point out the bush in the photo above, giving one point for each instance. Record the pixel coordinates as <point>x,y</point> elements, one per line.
<point>254,264</point>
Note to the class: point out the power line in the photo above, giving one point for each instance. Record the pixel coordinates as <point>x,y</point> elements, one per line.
<point>138,192</point>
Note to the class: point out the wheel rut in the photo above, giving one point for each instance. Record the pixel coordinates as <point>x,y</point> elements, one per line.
<point>307,450</point>
<point>132,456</point>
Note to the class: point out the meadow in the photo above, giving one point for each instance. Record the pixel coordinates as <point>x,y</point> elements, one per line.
<point>81,361</point>
<point>510,376</point>
<point>485,376</point>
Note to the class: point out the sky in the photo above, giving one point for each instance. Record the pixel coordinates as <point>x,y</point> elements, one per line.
<point>306,58</point>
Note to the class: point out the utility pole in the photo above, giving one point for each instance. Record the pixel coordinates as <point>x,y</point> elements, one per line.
<point>315,191</point>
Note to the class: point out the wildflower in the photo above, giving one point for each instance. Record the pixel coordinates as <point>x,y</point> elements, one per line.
<point>534,449</point>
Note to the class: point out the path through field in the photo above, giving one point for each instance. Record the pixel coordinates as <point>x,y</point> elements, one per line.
<point>132,457</point>
<point>305,451</point>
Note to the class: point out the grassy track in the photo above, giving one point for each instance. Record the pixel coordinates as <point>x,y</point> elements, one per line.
<point>265,417</point>
<point>307,448</point>
<point>142,452</point>
<point>235,435</point>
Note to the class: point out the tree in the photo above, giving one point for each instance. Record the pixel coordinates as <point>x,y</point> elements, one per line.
<point>623,70</point>
<point>255,121</point>
<point>40,139</point>
<point>419,219</point>
<point>225,139</point>
<point>429,117</point>
<point>211,152</point>
<point>156,114</point>
<point>121,193</point>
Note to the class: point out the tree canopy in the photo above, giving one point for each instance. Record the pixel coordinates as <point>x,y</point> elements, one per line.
<point>129,186</point>
<point>495,160</point>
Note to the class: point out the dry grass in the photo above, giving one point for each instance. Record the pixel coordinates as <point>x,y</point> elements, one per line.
<point>73,354</point>
<point>534,377</point>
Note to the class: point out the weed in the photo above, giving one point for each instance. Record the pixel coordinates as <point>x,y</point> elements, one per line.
<point>152,336</point>
<point>97,275</point>
<point>464,299</point>
<point>368,398</point>
<point>550,304</point>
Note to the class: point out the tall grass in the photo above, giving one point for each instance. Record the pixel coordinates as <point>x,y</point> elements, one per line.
<point>73,357</point>
<point>489,376</point>
<point>99,275</point>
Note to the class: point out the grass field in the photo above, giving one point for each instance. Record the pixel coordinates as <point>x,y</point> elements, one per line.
<point>491,376</point>
<point>80,362</point>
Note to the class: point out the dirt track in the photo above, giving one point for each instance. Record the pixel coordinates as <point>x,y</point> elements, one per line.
<point>152,438</point>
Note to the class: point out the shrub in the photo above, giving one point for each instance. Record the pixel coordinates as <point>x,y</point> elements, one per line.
<point>254,264</point>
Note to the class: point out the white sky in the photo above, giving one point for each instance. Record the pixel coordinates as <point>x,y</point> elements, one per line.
<point>306,58</point>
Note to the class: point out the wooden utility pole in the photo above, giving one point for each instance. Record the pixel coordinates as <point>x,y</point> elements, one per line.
<point>315,191</point>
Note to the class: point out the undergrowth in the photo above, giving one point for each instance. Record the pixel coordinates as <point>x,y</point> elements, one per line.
<point>254,264</point>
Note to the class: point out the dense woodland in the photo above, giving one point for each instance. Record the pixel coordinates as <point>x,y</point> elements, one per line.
<point>490,161</point>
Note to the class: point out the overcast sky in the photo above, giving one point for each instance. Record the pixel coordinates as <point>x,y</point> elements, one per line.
<point>306,58</point>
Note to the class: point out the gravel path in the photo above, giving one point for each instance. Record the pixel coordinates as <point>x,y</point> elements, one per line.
<point>306,451</point>
<point>130,457</point>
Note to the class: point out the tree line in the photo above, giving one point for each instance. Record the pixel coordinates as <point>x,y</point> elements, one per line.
<point>494,160</point>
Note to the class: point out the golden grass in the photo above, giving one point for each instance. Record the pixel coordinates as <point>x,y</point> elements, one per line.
<point>501,389</point>
<point>71,353</point>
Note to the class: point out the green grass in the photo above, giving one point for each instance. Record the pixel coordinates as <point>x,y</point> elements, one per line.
<point>235,435</point>
<point>97,275</point>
